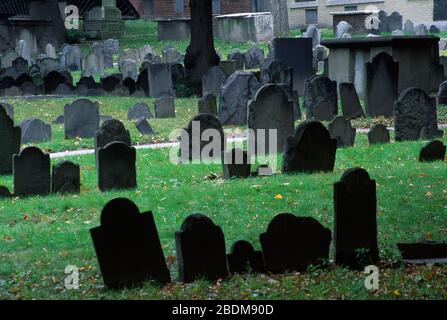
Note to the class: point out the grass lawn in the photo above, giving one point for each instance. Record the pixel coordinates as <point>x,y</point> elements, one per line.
<point>39,237</point>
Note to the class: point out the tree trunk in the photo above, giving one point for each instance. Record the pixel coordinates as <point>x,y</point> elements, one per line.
<point>200,55</point>
<point>280,13</point>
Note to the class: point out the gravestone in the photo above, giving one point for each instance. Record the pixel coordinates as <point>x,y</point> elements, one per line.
<point>319,88</point>
<point>35,130</point>
<point>355,225</point>
<point>31,169</point>
<point>66,178</point>
<point>378,134</point>
<point>200,250</point>
<point>171,55</point>
<point>9,143</point>
<point>270,109</point>
<point>109,83</point>
<point>9,109</point>
<point>160,80</point>
<point>239,88</point>
<point>143,127</point>
<point>342,28</point>
<point>382,78</point>
<point>63,89</point>
<point>92,64</point>
<point>413,111</point>
<point>434,29</point>
<point>50,51</point>
<point>52,80</point>
<point>274,71</point>
<point>254,58</point>
<point>228,66</point>
<point>432,151</point>
<point>294,243</point>
<point>313,33</point>
<point>23,78</point>
<point>111,131</point>
<point>310,149</point>
<point>350,102</point>
<point>139,111</point>
<point>243,258</point>
<point>145,50</point>
<point>24,50</point>
<point>20,65</point>
<point>116,167</point>
<point>129,69</point>
<point>420,30</point>
<point>164,107</point>
<point>73,57</point>
<point>409,27</point>
<point>128,247</point>
<point>203,140</point>
<point>132,54</point>
<point>129,85</point>
<point>81,119</point>
<point>213,80</point>
<point>4,192</point>
<point>235,164</point>
<point>88,82</point>
<point>442,93</point>
<point>238,57</point>
<point>394,22</point>
<point>341,130</point>
<point>207,104</point>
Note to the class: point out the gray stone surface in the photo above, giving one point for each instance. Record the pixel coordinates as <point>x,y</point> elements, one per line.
<point>164,107</point>
<point>66,178</point>
<point>274,71</point>
<point>420,30</point>
<point>35,130</point>
<point>442,93</point>
<point>409,27</point>
<point>81,119</point>
<point>341,130</point>
<point>350,102</point>
<point>139,111</point>
<point>111,131</point>
<point>160,80</point>
<point>10,142</point>
<point>378,134</point>
<point>144,127</point>
<point>319,88</point>
<point>239,58</point>
<point>207,104</point>
<point>213,80</point>
<point>254,58</point>
<point>342,28</point>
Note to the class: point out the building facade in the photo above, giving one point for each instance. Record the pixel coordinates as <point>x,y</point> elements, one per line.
<point>303,13</point>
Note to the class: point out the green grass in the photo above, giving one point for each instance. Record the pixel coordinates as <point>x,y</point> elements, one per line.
<point>39,237</point>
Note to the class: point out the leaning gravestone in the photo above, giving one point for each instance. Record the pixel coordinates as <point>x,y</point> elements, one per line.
<point>350,102</point>
<point>207,104</point>
<point>237,56</point>
<point>341,130</point>
<point>144,127</point>
<point>432,151</point>
<point>274,71</point>
<point>355,225</point>
<point>413,111</point>
<point>127,246</point>
<point>193,144</point>
<point>270,110</point>
<point>9,142</point>
<point>213,80</point>
<point>164,107</point>
<point>81,119</point>
<point>243,258</point>
<point>200,250</point>
<point>319,88</point>
<point>378,134</point>
<point>31,172</point>
<point>294,243</point>
<point>311,149</point>
<point>254,58</point>
<point>35,130</point>
<point>160,80</point>
<point>239,88</point>
<point>382,76</point>
<point>66,178</point>
<point>111,131</point>
<point>139,111</point>
<point>235,164</point>
<point>116,167</point>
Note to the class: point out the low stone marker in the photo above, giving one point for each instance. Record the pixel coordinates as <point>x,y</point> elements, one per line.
<point>81,119</point>
<point>243,258</point>
<point>341,130</point>
<point>66,178</point>
<point>144,127</point>
<point>319,88</point>
<point>433,151</point>
<point>164,107</point>
<point>379,133</point>
<point>111,131</point>
<point>35,130</point>
<point>236,164</point>
<point>139,111</point>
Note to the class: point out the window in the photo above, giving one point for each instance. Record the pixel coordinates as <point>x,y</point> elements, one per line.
<point>351,8</point>
<point>311,16</point>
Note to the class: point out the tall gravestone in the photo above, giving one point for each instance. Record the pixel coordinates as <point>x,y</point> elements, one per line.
<point>254,58</point>
<point>319,88</point>
<point>382,78</point>
<point>160,80</point>
<point>128,247</point>
<point>111,131</point>
<point>66,178</point>
<point>200,250</point>
<point>81,119</point>
<point>294,243</point>
<point>9,143</point>
<point>31,169</point>
<point>213,80</point>
<point>350,102</point>
<point>355,225</point>
<point>270,109</point>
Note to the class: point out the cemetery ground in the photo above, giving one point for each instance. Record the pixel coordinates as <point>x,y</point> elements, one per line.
<point>41,236</point>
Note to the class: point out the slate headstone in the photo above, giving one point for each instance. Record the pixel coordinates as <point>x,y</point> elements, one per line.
<point>160,80</point>
<point>378,134</point>
<point>164,107</point>
<point>81,119</point>
<point>409,27</point>
<point>144,127</point>
<point>235,164</point>
<point>350,102</point>
<point>244,258</point>
<point>207,104</point>
<point>111,131</point>
<point>139,111</point>
<point>66,178</point>
<point>319,88</point>
<point>432,151</point>
<point>420,30</point>
<point>237,56</point>
<point>213,80</point>
<point>10,142</point>
<point>254,58</point>
<point>35,130</point>
<point>341,130</point>
<point>274,71</point>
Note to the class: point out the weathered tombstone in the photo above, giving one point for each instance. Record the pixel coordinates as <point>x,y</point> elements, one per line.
<point>294,243</point>
<point>409,27</point>
<point>139,111</point>
<point>132,54</point>
<point>432,151</point>
<point>311,149</point>
<point>254,58</point>
<point>394,22</point>
<point>239,58</point>
<point>29,89</point>
<point>145,50</point>
<point>228,66</point>
<point>270,109</point>
<point>239,88</point>
<point>413,111</point>
<point>127,246</point>
<point>31,169</point>
<point>160,80</point>
<point>420,30</point>
<point>355,225</point>
<point>203,139</point>
<point>20,65</point>
<point>434,29</point>
<point>213,80</point>
<point>207,104</point>
<point>342,28</point>
<point>313,33</point>
<point>23,50</point>
<point>116,167</point>
<point>341,130</point>
<point>164,107</point>
<point>109,83</point>
<point>73,57</point>
<point>99,92</point>
<point>319,88</point>
<point>9,109</point>
<point>50,51</point>
<point>171,55</point>
<point>35,130</point>
<point>129,69</point>
<point>10,142</point>
<point>4,192</point>
<point>350,102</point>
<point>382,78</point>
<point>112,45</point>
<point>111,131</point>
<point>235,164</point>
<point>81,119</point>
<point>88,82</point>
<point>243,258</point>
<point>274,71</point>
<point>442,93</point>
<point>92,64</point>
<point>144,127</point>
<point>52,80</point>
<point>200,250</point>
<point>63,89</point>
<point>378,134</point>
<point>66,178</point>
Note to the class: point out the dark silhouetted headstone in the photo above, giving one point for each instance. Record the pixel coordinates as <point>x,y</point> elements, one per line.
<point>8,108</point>
<point>378,134</point>
<point>294,243</point>
<point>35,130</point>
<point>243,258</point>
<point>160,80</point>
<point>164,107</point>
<point>200,250</point>
<point>66,178</point>
<point>127,246</point>
<point>350,102</point>
<point>274,71</point>
<point>238,57</point>
<point>81,119</point>
<point>319,88</point>
<point>428,252</point>
<point>433,151</point>
<point>235,163</point>
<point>9,142</point>
<point>111,131</point>
<point>254,58</point>
<point>322,110</point>
<point>341,130</point>
<point>144,127</point>
<point>52,80</point>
